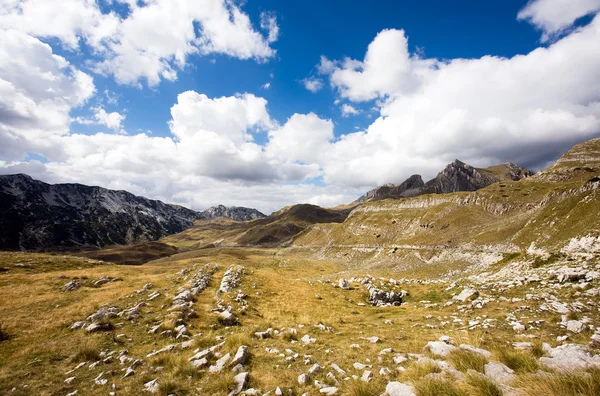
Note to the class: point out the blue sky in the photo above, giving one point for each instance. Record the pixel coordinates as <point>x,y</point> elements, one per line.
<point>201,102</point>
<point>441,29</point>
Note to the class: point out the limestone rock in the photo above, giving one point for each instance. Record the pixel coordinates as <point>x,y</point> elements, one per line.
<point>241,356</point>
<point>467,295</point>
<point>398,389</point>
<point>499,373</point>
<point>240,381</point>
<point>439,348</point>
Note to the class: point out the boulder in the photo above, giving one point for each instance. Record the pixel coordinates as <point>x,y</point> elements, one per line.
<point>467,295</point>
<point>71,286</point>
<point>439,348</point>
<point>575,326</point>
<point>398,389</point>
<point>569,358</point>
<point>240,381</point>
<point>303,379</point>
<point>343,284</point>
<point>241,356</point>
<point>499,373</point>
<point>227,318</point>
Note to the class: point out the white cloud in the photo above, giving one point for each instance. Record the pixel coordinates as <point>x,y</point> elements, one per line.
<point>268,22</point>
<point>387,68</point>
<point>38,89</point>
<point>112,120</point>
<point>348,110</point>
<point>527,109</point>
<point>153,41</point>
<point>304,138</point>
<point>554,17</point>
<point>313,84</point>
<point>266,86</point>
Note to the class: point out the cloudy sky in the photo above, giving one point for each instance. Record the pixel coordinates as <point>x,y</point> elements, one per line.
<point>266,103</point>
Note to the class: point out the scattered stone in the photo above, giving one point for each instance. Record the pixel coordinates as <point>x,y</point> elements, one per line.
<point>479,351</point>
<point>439,348</point>
<point>152,386</point>
<point>227,318</point>
<point>380,298</point>
<point>467,295</point>
<point>71,286</point>
<point>220,364</point>
<point>499,373</point>
<point>330,390</point>
<point>303,379</point>
<point>240,381</point>
<point>575,326</point>
<point>241,356</point>
<point>398,389</point>
<point>367,376</point>
<point>307,339</point>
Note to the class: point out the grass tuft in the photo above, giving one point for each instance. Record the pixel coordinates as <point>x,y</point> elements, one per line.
<point>483,386</point>
<point>437,387</point>
<point>520,361</point>
<point>464,360</point>
<point>418,370</point>
<point>580,384</point>
<point>86,353</point>
<point>359,388</point>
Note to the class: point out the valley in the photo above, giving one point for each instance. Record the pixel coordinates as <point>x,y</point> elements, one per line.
<point>487,292</point>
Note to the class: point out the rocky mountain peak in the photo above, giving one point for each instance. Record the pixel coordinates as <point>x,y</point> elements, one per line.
<point>232,212</point>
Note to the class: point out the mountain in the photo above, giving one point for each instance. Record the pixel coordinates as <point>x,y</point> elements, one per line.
<point>237,213</point>
<point>549,209</point>
<point>277,229</point>
<point>457,176</point>
<point>37,215</point>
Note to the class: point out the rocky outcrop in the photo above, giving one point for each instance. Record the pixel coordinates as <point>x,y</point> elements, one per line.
<point>232,212</point>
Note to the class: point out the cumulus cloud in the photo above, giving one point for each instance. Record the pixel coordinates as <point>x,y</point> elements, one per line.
<point>483,111</point>
<point>387,68</point>
<point>348,110</point>
<point>38,89</point>
<point>313,84</point>
<point>554,17</point>
<point>153,41</point>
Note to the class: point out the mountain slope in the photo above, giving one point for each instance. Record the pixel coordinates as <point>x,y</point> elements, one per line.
<point>236,213</point>
<point>37,215</point>
<point>278,229</point>
<point>457,176</point>
<point>547,209</point>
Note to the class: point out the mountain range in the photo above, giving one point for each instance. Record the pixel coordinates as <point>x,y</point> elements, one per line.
<point>37,215</point>
<point>457,176</point>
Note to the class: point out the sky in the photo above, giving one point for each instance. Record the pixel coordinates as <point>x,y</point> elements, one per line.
<point>268,103</point>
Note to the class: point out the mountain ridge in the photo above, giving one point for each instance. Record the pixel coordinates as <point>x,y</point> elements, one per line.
<point>39,215</point>
<point>456,176</point>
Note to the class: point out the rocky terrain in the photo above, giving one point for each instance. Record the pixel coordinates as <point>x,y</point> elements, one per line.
<point>457,176</point>
<point>487,292</point>
<point>36,215</point>
<point>232,212</point>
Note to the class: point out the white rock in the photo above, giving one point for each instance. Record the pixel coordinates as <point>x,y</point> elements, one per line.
<point>367,376</point>
<point>439,348</point>
<point>241,356</point>
<point>479,351</point>
<point>240,381</point>
<point>330,390</point>
<point>303,379</point>
<point>499,373</point>
<point>398,389</point>
<point>467,294</point>
<point>575,326</point>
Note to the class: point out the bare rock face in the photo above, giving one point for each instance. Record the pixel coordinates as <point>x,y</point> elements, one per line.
<point>232,212</point>
<point>457,176</point>
<point>41,215</point>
